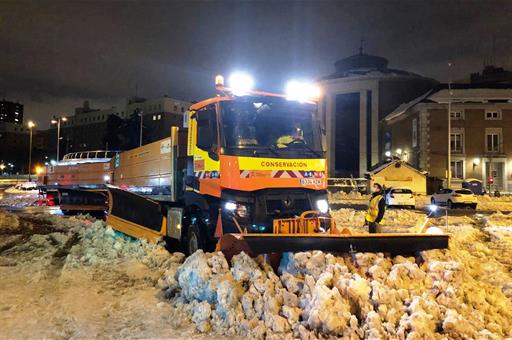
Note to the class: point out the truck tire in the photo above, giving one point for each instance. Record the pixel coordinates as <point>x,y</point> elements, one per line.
<point>194,240</point>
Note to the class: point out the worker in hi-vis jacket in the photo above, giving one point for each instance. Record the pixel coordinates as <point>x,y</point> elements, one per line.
<point>376,209</point>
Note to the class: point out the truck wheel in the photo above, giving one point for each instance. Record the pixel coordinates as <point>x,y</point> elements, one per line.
<point>194,240</point>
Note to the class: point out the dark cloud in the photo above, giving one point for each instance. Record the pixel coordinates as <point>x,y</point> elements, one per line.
<point>60,53</point>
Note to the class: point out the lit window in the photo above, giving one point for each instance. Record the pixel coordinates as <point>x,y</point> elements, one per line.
<point>457,169</point>
<point>456,142</point>
<point>159,117</point>
<point>493,142</point>
<point>154,117</point>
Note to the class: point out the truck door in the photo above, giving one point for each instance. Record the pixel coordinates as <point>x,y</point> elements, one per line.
<point>205,156</point>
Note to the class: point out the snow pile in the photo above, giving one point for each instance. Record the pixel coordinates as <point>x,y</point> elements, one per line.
<point>396,220</point>
<point>437,295</point>
<point>24,187</point>
<point>76,242</point>
<point>344,196</point>
<point>19,200</point>
<point>100,245</point>
<point>487,198</point>
<point>8,222</point>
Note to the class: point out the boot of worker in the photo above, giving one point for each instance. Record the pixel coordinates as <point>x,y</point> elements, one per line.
<point>372,227</point>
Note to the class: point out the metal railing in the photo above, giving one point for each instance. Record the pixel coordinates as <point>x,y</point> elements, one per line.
<point>347,184</point>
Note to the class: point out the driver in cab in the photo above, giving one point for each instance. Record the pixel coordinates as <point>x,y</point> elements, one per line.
<point>294,135</point>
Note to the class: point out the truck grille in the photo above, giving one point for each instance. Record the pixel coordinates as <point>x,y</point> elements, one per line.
<point>287,206</point>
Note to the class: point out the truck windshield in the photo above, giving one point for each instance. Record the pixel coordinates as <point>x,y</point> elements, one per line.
<point>262,125</point>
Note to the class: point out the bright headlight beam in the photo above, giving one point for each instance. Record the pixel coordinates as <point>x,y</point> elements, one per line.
<point>302,91</point>
<point>434,231</point>
<point>231,206</point>
<point>322,205</point>
<point>241,83</point>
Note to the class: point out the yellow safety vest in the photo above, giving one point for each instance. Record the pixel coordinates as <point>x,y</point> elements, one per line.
<point>373,209</point>
<point>283,141</point>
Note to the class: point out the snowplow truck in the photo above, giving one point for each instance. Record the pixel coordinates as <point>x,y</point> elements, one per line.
<point>248,174</point>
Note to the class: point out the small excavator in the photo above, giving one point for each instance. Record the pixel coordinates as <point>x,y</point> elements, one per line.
<point>247,173</point>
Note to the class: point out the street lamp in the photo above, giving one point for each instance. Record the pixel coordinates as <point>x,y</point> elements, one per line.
<point>476,162</point>
<point>140,133</point>
<point>57,120</point>
<point>31,125</point>
<point>449,157</point>
<point>2,167</point>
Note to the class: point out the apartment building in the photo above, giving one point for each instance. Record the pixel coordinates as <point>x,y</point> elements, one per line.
<point>86,128</point>
<point>11,112</point>
<point>480,135</point>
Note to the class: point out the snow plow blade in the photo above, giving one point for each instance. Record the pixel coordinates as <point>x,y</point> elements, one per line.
<point>135,215</point>
<point>403,243</point>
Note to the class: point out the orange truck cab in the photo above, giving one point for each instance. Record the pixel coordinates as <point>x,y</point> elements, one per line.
<point>252,159</point>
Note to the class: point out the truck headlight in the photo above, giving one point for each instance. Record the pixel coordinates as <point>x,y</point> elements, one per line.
<point>322,205</point>
<point>231,206</point>
<point>240,210</point>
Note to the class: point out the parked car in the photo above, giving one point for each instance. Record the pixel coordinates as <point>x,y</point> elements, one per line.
<point>452,198</point>
<point>402,197</point>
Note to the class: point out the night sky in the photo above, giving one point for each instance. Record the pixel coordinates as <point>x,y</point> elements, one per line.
<point>53,55</point>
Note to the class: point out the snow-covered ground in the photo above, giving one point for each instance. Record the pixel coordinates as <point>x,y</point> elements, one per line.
<point>76,277</point>
<point>485,202</point>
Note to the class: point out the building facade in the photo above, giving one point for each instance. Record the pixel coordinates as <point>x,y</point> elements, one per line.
<point>86,129</point>
<point>361,92</point>
<point>11,112</point>
<point>14,139</point>
<point>480,135</point>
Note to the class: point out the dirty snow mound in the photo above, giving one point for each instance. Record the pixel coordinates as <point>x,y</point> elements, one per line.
<point>437,295</point>
<point>19,200</point>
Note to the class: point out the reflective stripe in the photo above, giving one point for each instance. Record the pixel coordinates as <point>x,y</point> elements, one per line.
<point>373,209</point>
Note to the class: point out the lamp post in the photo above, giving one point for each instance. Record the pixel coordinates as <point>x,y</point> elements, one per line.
<point>140,133</point>
<point>449,158</point>
<point>57,120</point>
<point>31,125</point>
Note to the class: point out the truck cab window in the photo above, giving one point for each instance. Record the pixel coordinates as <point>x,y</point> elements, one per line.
<point>206,128</point>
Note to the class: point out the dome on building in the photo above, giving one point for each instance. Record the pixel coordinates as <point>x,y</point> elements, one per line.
<point>360,61</point>
<point>363,64</point>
